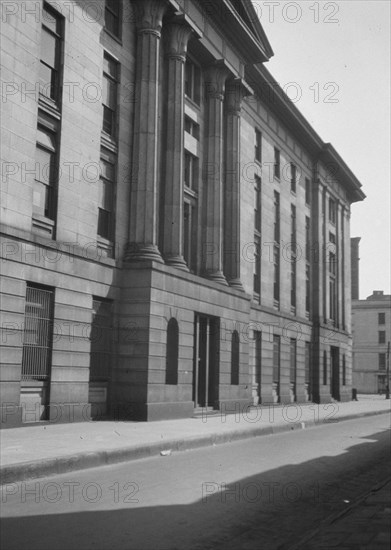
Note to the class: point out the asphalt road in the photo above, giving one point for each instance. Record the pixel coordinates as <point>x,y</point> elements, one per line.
<point>260,494</point>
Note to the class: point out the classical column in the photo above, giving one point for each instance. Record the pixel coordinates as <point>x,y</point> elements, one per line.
<point>234,93</point>
<point>178,33</point>
<point>144,194</point>
<point>215,77</point>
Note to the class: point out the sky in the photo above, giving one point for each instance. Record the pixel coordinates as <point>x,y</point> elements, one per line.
<point>333,60</point>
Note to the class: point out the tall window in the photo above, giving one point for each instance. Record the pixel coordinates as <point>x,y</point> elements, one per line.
<point>293,177</point>
<point>192,81</point>
<point>38,330</point>
<point>307,265</point>
<point>325,368</point>
<point>332,211</point>
<point>382,361</point>
<point>191,176</point>
<point>46,174</point>
<point>258,146</point>
<point>293,354</point>
<point>277,163</point>
<point>106,195</point>
<point>307,191</point>
<point>191,172</point>
<point>307,363</point>
<point>293,256</point>
<point>276,248</point>
<point>172,351</point>
<point>235,359</point>
<point>50,63</point>
<point>257,235</point>
<point>382,336</point>
<point>332,279</point>
<point>258,359</point>
<point>258,204</point>
<point>381,318</point>
<point>101,339</point>
<point>276,361</point>
<point>276,217</point>
<point>109,95</point>
<point>112,17</point>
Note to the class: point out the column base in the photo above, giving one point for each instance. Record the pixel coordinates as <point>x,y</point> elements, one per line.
<point>236,284</point>
<point>218,277</point>
<point>177,261</point>
<point>139,252</point>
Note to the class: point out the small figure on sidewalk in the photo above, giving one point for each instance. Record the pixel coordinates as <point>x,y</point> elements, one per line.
<point>354,394</point>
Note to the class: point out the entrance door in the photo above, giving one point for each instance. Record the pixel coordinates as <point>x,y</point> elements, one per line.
<point>334,383</point>
<point>206,361</point>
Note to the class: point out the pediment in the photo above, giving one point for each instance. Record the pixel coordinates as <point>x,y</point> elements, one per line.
<point>246,11</point>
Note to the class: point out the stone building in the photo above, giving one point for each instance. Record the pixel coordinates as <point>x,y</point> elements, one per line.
<point>371,328</point>
<point>175,235</point>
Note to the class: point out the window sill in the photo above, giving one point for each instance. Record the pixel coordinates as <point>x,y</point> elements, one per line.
<point>106,247</point>
<point>109,142</point>
<point>50,106</point>
<point>43,225</point>
<point>116,38</point>
<point>192,102</point>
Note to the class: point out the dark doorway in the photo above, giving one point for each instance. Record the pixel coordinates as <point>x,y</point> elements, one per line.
<point>206,361</point>
<point>334,381</point>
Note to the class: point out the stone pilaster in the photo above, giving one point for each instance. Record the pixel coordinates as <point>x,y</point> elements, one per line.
<point>235,91</point>
<point>215,78</point>
<point>144,193</point>
<point>178,33</point>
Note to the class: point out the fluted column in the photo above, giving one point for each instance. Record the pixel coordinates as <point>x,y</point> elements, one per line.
<point>215,78</point>
<point>144,192</point>
<point>178,33</point>
<point>235,91</point>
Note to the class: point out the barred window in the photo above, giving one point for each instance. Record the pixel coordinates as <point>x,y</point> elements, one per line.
<point>38,331</point>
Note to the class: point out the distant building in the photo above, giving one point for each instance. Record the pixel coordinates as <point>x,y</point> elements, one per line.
<point>175,234</point>
<point>371,326</point>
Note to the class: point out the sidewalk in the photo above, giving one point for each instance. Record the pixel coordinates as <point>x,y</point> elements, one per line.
<point>41,450</point>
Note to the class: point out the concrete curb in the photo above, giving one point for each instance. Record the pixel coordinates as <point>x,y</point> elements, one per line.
<point>24,471</point>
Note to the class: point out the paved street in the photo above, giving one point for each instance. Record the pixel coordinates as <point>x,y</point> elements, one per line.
<point>264,493</point>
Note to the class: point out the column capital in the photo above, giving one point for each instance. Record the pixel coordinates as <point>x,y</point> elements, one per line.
<point>215,77</point>
<point>236,90</point>
<point>149,15</point>
<point>177,33</point>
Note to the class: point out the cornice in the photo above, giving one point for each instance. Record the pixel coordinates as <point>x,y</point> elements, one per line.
<point>273,96</point>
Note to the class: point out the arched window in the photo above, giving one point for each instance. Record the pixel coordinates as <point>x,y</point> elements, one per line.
<point>172,352</point>
<point>235,358</point>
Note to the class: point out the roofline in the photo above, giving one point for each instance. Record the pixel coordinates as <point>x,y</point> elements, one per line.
<point>274,96</point>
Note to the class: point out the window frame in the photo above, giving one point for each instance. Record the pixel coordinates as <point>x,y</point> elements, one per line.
<point>258,146</point>
<point>58,35</point>
<point>293,177</point>
<point>51,127</point>
<point>114,80</point>
<point>381,318</point>
<point>277,163</point>
<point>117,16</point>
<point>192,70</point>
<point>108,157</point>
